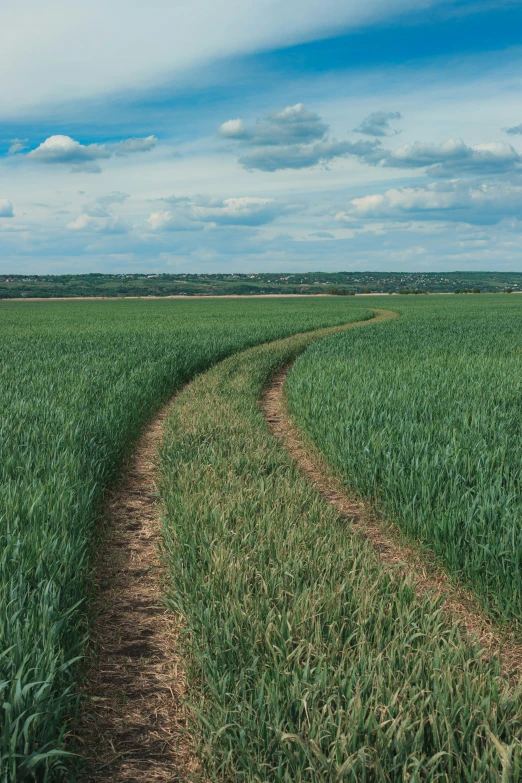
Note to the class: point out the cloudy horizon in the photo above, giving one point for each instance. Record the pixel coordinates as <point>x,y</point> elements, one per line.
<point>211,137</point>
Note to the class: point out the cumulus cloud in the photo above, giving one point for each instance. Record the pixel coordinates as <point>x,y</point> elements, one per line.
<point>234,129</point>
<point>99,225</point>
<point>515,130</point>
<point>191,214</point>
<point>243,211</point>
<point>167,220</point>
<point>17,145</point>
<point>64,149</point>
<point>293,125</point>
<point>455,157</point>
<point>294,138</point>
<point>378,123</point>
<point>455,201</point>
<point>300,156</point>
<point>6,208</point>
<point>83,157</point>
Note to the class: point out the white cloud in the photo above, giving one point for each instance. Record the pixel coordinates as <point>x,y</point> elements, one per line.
<point>82,222</point>
<point>378,123</point>
<point>6,208</point>
<point>433,115</point>
<point>166,220</point>
<point>455,201</point>
<point>99,225</point>
<point>239,212</point>
<point>234,129</point>
<point>292,125</point>
<point>98,217</point>
<point>455,157</point>
<point>300,156</point>
<point>65,150</point>
<point>293,138</point>
<point>194,214</point>
<point>296,138</point>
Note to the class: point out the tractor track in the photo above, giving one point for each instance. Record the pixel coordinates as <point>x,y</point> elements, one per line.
<point>458,604</point>
<point>134,727</point>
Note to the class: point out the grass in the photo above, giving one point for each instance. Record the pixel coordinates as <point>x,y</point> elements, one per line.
<point>423,417</point>
<point>77,382</point>
<point>307,662</point>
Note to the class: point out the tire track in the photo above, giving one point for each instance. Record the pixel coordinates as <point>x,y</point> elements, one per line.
<point>135,727</point>
<point>458,604</point>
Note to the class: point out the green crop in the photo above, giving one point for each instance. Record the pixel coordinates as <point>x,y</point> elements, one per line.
<point>307,661</point>
<point>77,381</point>
<point>423,415</point>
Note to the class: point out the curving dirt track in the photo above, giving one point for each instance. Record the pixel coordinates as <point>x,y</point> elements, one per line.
<point>458,604</point>
<point>134,728</point>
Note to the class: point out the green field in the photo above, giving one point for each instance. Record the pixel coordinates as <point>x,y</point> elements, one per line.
<point>77,381</point>
<point>423,416</point>
<point>306,661</point>
<point>309,662</point>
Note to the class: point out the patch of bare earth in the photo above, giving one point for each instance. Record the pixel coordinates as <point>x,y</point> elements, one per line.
<point>458,604</point>
<point>134,726</point>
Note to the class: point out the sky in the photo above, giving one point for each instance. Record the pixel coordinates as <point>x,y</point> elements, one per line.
<point>254,135</point>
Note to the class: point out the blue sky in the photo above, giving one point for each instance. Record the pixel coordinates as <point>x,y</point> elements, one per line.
<point>200,136</point>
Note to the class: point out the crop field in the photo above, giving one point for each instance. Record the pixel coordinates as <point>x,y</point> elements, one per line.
<point>424,416</point>
<point>306,660</point>
<point>77,381</point>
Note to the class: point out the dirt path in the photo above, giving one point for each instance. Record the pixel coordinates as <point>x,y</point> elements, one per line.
<point>135,727</point>
<point>459,605</point>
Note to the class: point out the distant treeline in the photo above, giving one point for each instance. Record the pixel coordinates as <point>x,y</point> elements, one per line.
<point>336,283</point>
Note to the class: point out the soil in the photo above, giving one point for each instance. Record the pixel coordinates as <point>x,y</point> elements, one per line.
<point>134,726</point>
<point>391,547</point>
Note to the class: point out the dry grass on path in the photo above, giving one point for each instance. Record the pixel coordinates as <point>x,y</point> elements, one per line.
<point>134,727</point>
